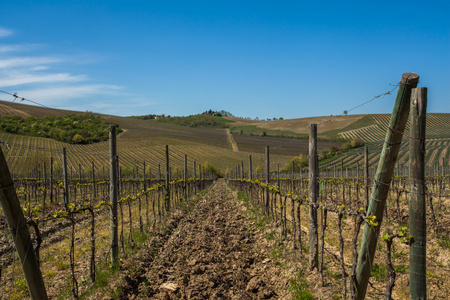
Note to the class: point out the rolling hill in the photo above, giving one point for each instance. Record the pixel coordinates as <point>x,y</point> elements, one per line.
<point>144,140</point>
<point>369,128</point>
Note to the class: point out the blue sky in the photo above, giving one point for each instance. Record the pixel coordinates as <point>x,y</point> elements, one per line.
<point>265,59</point>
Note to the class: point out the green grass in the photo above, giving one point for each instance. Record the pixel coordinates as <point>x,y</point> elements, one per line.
<point>444,242</point>
<point>379,272</point>
<point>298,286</point>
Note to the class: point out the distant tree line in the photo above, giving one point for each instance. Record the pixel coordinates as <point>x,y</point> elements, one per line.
<point>201,120</point>
<point>151,117</point>
<point>73,129</point>
<point>221,113</point>
<point>215,113</point>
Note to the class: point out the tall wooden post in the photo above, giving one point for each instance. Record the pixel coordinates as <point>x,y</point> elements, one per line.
<point>94,183</point>
<point>44,175</point>
<point>66,185</point>
<point>250,167</point>
<point>313,193</point>
<point>185,177</point>
<point>366,175</point>
<point>417,204</point>
<point>51,179</point>
<point>267,180</point>
<point>167,196</point>
<point>20,234</point>
<point>278,175</point>
<point>382,181</point>
<point>114,194</point>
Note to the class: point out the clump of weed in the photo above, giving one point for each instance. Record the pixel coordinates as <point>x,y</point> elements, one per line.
<point>298,286</point>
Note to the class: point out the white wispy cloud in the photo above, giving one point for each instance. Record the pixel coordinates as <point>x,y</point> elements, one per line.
<point>40,79</point>
<point>58,95</point>
<point>9,48</point>
<point>16,62</point>
<point>19,78</point>
<point>5,32</point>
<point>5,48</point>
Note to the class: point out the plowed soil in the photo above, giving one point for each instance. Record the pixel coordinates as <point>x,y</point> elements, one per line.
<point>208,251</point>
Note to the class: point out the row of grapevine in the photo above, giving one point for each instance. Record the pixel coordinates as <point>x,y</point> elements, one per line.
<point>68,234</point>
<point>346,200</point>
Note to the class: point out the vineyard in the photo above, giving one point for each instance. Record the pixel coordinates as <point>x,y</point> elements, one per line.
<point>69,220</point>
<point>341,206</point>
<point>437,143</point>
<point>184,232</point>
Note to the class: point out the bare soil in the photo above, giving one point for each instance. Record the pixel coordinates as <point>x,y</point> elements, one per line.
<point>208,251</point>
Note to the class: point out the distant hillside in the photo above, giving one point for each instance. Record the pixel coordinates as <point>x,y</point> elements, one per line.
<point>369,128</point>
<point>146,140</point>
<point>200,120</point>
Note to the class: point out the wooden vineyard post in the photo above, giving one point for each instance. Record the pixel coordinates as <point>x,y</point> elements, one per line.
<point>417,204</point>
<point>278,176</point>
<point>20,234</point>
<point>114,194</point>
<point>194,171</point>
<point>44,181</point>
<point>51,179</point>
<point>94,191</point>
<point>250,167</point>
<point>167,196</point>
<point>185,177</point>
<point>366,174</point>
<point>267,180</point>
<point>66,185</point>
<point>313,193</point>
<point>382,181</point>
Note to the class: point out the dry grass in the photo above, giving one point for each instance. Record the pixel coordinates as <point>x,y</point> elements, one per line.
<point>302,125</point>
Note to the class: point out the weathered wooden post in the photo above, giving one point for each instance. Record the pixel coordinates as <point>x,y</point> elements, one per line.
<point>313,193</point>
<point>366,175</point>
<point>66,185</point>
<point>114,194</point>
<point>19,232</point>
<point>278,175</point>
<point>382,181</point>
<point>417,204</point>
<point>51,179</point>
<point>250,167</point>
<point>167,196</point>
<point>44,175</point>
<point>94,191</point>
<point>267,180</point>
<point>185,177</point>
<point>195,177</point>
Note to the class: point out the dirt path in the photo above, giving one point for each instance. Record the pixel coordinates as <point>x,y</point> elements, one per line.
<point>233,144</point>
<point>212,252</point>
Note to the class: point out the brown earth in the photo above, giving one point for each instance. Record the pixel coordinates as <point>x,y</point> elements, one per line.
<point>210,252</point>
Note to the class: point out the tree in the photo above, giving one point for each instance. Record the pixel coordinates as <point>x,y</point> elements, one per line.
<point>78,139</point>
<point>345,112</point>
